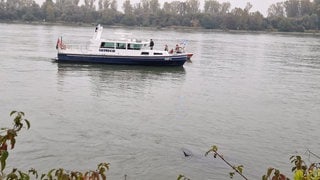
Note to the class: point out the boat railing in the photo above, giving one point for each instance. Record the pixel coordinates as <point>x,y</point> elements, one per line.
<point>74,47</point>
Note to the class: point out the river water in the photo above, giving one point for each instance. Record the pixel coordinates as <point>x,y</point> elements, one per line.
<point>254,95</point>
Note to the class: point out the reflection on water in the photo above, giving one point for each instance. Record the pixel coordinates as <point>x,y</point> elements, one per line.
<point>109,73</point>
<point>105,78</point>
<point>65,67</point>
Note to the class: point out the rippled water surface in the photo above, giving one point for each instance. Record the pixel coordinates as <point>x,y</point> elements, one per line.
<point>255,95</point>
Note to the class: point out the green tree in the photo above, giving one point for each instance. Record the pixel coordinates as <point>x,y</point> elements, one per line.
<point>128,18</point>
<point>225,7</point>
<point>248,8</point>
<point>182,8</point>
<point>306,7</point>
<point>104,4</point>
<point>292,8</point>
<point>193,7</point>
<point>310,22</point>
<point>89,4</point>
<point>108,12</point>
<point>276,10</point>
<point>256,21</point>
<point>48,9</point>
<point>211,21</point>
<point>2,9</point>
<point>127,8</point>
<point>212,7</point>
<point>285,25</point>
<point>291,15</point>
<point>108,16</point>
<point>240,19</point>
<point>154,7</point>
<point>114,5</point>
<point>70,12</point>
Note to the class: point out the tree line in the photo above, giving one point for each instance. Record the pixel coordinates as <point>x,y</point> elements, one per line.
<point>289,15</point>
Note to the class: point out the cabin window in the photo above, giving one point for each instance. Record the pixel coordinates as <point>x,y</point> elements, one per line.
<point>137,46</point>
<point>130,46</point>
<point>109,45</point>
<point>157,53</point>
<point>144,53</point>
<point>134,46</point>
<point>121,46</point>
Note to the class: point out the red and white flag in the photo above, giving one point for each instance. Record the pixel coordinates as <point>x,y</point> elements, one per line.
<point>58,45</point>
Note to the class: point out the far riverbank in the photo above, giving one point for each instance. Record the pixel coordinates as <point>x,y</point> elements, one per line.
<point>80,24</point>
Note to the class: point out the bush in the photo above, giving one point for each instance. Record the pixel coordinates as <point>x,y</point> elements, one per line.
<point>8,137</point>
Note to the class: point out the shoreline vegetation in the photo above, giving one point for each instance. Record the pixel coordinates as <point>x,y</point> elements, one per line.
<point>307,32</point>
<point>289,16</point>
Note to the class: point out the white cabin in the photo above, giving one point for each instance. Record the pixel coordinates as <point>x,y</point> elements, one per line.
<point>122,47</point>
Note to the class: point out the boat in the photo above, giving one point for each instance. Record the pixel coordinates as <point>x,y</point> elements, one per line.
<point>123,51</point>
<point>189,55</point>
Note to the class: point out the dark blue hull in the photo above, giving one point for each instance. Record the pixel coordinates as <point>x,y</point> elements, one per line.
<point>175,60</point>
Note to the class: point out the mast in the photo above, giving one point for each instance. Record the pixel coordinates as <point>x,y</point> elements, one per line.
<point>97,32</point>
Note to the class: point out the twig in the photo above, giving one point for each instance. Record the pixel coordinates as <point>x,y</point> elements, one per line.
<point>313,154</point>
<point>230,165</point>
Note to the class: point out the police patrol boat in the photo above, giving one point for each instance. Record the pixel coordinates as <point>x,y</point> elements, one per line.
<point>122,51</point>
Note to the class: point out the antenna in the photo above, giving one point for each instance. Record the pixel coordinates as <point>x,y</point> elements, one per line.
<point>97,32</point>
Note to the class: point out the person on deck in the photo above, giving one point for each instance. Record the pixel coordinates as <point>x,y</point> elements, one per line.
<point>151,44</point>
<point>166,47</point>
<point>178,50</point>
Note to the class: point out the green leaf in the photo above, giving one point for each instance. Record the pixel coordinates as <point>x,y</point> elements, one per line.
<point>231,174</point>
<point>104,177</point>
<point>59,172</point>
<point>102,170</point>
<point>12,112</point>
<point>214,148</point>
<point>3,158</point>
<point>17,119</point>
<point>299,158</point>
<point>180,177</point>
<point>24,176</point>
<point>50,173</point>
<point>12,176</point>
<point>304,167</point>
<point>292,157</point>
<point>264,177</point>
<point>240,168</point>
<point>106,165</point>
<point>269,172</point>
<point>28,123</point>
<point>33,172</point>
<point>13,142</point>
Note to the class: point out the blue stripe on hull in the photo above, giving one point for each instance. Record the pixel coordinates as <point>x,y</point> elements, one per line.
<point>178,60</point>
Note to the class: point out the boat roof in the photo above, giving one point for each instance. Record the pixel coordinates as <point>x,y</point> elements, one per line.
<point>125,41</point>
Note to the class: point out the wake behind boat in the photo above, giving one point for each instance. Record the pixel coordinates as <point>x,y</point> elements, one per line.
<point>123,51</point>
